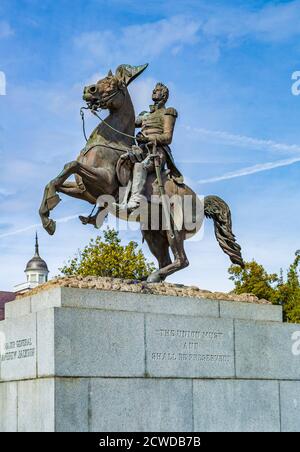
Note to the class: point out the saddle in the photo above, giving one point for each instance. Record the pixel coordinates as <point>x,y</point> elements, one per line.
<point>125,167</point>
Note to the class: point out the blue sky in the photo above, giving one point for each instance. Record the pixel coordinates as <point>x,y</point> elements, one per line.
<point>228,65</point>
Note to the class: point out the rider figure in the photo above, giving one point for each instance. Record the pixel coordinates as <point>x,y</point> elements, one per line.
<point>157,127</point>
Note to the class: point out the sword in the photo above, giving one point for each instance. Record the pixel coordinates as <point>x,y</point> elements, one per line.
<point>165,204</point>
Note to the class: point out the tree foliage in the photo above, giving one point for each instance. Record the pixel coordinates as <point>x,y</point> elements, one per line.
<point>108,257</point>
<point>253,279</point>
<point>272,287</point>
<point>288,292</point>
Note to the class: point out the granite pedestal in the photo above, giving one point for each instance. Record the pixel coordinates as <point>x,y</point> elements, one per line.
<point>91,360</point>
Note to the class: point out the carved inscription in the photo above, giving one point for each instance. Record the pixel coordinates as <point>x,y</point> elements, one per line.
<point>190,343</point>
<point>187,334</point>
<point>20,349</point>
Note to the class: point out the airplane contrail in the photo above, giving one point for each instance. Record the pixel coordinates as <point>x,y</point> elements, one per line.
<point>38,225</point>
<point>245,141</point>
<point>4,192</point>
<point>251,170</point>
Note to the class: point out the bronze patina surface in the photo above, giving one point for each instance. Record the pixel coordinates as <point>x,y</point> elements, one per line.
<point>114,157</point>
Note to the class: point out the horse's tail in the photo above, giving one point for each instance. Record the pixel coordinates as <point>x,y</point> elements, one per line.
<point>217,209</point>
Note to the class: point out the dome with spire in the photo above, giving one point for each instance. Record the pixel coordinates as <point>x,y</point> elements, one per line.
<point>36,272</point>
<point>36,263</point>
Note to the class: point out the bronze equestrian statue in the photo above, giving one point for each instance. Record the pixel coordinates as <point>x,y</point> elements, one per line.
<point>115,158</point>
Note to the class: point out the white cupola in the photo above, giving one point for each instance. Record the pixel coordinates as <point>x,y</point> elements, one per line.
<point>36,271</point>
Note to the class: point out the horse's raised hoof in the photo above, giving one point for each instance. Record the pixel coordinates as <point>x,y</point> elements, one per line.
<point>154,278</point>
<point>50,227</point>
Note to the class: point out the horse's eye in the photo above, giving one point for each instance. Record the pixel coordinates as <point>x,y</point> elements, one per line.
<point>93,89</point>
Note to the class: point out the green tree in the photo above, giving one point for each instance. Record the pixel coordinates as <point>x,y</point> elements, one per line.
<point>253,279</point>
<point>288,293</point>
<point>277,289</point>
<point>108,257</point>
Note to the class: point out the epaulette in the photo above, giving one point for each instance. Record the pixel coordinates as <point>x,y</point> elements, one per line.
<point>172,112</point>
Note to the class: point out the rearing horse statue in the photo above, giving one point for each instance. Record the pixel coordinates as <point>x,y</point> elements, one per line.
<point>98,173</point>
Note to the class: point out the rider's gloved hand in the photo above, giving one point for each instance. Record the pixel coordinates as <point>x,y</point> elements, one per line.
<point>129,156</point>
<point>135,154</point>
<point>141,138</point>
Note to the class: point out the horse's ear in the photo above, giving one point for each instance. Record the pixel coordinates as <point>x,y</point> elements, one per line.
<point>127,73</point>
<point>110,74</point>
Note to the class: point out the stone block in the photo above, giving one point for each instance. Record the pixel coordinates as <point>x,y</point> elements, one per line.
<point>72,404</point>
<point>46,343</point>
<point>124,301</point>
<point>143,303</point>
<point>250,311</point>
<point>47,299</point>
<point>8,407</point>
<point>236,406</point>
<point>290,406</point>
<point>265,351</point>
<point>189,347</point>
<point>141,405</point>
<point>36,407</point>
<point>19,348</point>
<point>18,308</point>
<point>96,343</point>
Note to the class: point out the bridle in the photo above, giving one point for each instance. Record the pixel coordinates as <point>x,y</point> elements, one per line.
<point>94,112</point>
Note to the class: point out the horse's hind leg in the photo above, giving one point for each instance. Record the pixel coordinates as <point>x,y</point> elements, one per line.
<point>159,246</point>
<point>180,262</point>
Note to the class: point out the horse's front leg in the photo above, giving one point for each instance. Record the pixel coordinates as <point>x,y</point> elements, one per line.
<point>102,179</point>
<point>51,198</point>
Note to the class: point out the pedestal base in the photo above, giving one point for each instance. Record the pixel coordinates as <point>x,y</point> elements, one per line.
<point>89,360</point>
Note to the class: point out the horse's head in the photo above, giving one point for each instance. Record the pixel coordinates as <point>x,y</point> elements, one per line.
<point>110,92</point>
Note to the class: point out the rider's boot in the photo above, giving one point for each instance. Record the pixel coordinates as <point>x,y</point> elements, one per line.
<point>138,185</point>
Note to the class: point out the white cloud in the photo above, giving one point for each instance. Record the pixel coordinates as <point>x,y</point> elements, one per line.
<point>273,22</point>
<point>252,170</point>
<point>140,42</point>
<point>210,26</point>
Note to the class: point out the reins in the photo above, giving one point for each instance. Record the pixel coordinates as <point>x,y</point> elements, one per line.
<point>83,121</point>
<point>111,127</point>
<point>94,112</point>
